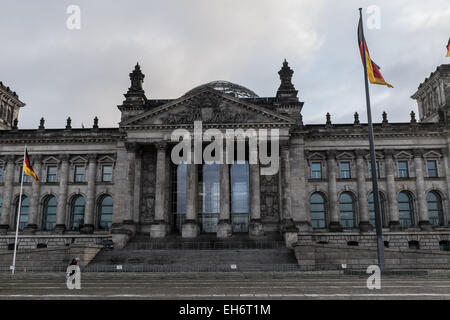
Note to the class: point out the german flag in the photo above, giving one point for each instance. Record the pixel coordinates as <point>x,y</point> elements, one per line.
<point>27,168</point>
<point>448,49</point>
<point>373,70</point>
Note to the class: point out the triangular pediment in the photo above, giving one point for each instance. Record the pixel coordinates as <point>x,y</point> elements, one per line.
<point>212,108</point>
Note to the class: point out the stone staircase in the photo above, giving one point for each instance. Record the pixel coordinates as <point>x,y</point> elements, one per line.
<point>205,253</point>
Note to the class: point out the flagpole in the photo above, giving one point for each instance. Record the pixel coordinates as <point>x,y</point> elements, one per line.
<point>373,164</point>
<point>18,211</point>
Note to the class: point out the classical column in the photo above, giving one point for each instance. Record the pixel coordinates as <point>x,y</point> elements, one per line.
<point>190,227</point>
<point>335,224</point>
<point>285,185</point>
<point>137,186</point>
<point>255,227</point>
<point>35,195</point>
<point>424,221</point>
<point>90,197</point>
<point>301,216</point>
<point>7,194</point>
<point>445,152</point>
<point>394,223</point>
<point>160,227</point>
<point>364,217</point>
<point>131,160</point>
<point>224,226</point>
<point>62,195</point>
<point>120,184</point>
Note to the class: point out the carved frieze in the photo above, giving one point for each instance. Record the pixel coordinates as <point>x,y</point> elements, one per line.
<point>147,209</point>
<point>270,207</point>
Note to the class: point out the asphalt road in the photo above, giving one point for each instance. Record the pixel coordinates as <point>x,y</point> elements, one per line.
<point>291,285</point>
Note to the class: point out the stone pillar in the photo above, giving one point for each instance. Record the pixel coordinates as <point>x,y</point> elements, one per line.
<point>394,223</point>
<point>289,230</point>
<point>335,224</point>
<point>90,197</point>
<point>424,221</point>
<point>120,184</point>
<point>301,216</point>
<point>446,153</point>
<point>131,160</point>
<point>255,227</point>
<point>364,217</point>
<point>35,196</point>
<point>160,227</point>
<point>62,195</point>
<point>7,209</point>
<point>224,226</point>
<point>190,227</point>
<point>137,185</point>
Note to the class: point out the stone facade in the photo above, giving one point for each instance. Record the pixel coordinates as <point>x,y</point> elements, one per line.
<point>125,181</point>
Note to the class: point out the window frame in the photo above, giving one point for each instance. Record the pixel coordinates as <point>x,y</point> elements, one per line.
<point>103,166</point>
<point>435,168</point>
<point>48,174</point>
<point>399,170</point>
<point>341,170</point>
<point>313,176</point>
<point>75,174</point>
<point>311,211</point>
<point>45,212</point>
<point>354,210</point>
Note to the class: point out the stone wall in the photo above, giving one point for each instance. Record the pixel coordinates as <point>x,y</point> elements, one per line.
<point>27,242</point>
<point>396,240</point>
<point>320,257</point>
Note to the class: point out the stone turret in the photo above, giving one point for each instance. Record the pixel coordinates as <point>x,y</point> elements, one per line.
<point>9,107</point>
<point>433,96</point>
<point>287,100</point>
<point>135,99</point>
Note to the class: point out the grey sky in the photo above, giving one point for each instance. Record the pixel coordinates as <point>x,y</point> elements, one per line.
<point>181,44</point>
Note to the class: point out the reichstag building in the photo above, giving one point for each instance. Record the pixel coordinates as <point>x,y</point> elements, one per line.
<point>114,183</point>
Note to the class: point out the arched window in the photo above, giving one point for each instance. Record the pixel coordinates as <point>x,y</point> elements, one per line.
<point>49,216</point>
<point>105,212</point>
<point>435,212</point>
<point>372,209</point>
<point>347,210</point>
<point>24,211</point>
<point>405,209</point>
<point>317,210</point>
<point>77,212</point>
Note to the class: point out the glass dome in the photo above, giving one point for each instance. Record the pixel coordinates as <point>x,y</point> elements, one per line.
<point>228,88</point>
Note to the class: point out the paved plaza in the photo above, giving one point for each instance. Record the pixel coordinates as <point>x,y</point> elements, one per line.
<point>229,286</point>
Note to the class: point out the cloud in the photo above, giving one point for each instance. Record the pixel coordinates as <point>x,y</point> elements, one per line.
<point>181,44</point>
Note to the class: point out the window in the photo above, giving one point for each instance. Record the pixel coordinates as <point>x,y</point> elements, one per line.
<point>1,174</point>
<point>435,212</point>
<point>372,209</point>
<point>317,209</point>
<point>316,170</point>
<point>77,213</point>
<point>444,245</point>
<point>51,173</point>
<point>178,195</point>
<point>105,212</point>
<point>345,170</point>
<point>240,196</point>
<point>1,205</point>
<point>79,174</point>
<point>403,169</point>
<point>24,176</point>
<point>209,195</point>
<point>49,217</point>
<point>347,210</point>
<point>413,244</point>
<point>24,211</point>
<point>432,169</point>
<point>107,173</point>
<point>405,209</point>
<point>377,164</point>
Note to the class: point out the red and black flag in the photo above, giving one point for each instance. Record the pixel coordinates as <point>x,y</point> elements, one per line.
<point>27,168</point>
<point>448,48</point>
<point>373,70</point>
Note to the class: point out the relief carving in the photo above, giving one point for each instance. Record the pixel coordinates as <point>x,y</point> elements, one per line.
<point>270,207</point>
<point>147,210</point>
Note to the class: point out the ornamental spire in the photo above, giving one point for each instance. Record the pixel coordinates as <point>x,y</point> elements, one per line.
<point>286,92</point>
<point>137,78</point>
